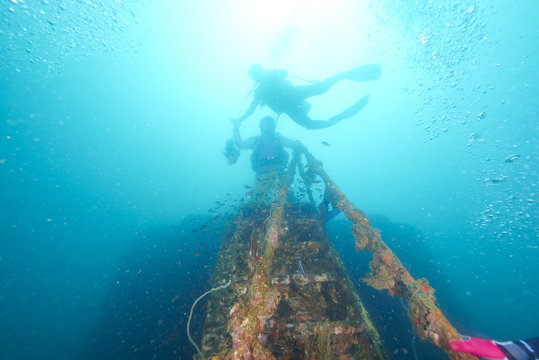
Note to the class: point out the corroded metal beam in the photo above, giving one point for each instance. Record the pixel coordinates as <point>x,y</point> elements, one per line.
<point>250,313</point>
<point>387,272</point>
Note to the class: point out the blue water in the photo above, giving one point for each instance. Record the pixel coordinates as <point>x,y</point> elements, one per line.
<point>114,116</point>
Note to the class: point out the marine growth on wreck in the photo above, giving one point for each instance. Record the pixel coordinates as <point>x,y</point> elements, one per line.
<point>282,292</point>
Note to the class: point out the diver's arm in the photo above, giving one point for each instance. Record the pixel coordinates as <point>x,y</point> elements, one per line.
<point>251,109</point>
<point>242,144</point>
<point>289,143</point>
<point>521,349</point>
<point>512,350</point>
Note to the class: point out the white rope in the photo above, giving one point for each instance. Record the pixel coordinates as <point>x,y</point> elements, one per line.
<point>191,314</point>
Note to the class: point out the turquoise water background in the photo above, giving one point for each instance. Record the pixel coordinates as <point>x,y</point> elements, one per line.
<point>114,116</point>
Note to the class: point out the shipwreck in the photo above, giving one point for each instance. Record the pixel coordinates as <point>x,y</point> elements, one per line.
<point>280,290</point>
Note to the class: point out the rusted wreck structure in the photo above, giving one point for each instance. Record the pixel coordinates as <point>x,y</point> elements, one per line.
<point>281,290</point>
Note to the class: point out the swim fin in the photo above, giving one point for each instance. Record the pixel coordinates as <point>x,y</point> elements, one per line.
<point>351,111</point>
<point>363,73</point>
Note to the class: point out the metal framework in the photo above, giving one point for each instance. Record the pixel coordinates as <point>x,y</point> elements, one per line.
<point>276,309</point>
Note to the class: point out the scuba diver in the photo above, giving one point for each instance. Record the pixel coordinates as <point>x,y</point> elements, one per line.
<point>268,148</point>
<point>269,158</point>
<point>279,94</point>
<point>490,349</point>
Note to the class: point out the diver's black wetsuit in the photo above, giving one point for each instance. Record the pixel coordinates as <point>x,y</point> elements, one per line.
<point>281,96</point>
<point>521,349</point>
<point>274,90</point>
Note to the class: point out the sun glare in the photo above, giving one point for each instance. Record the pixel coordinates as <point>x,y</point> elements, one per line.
<point>302,36</point>
<point>270,16</point>
<point>294,30</point>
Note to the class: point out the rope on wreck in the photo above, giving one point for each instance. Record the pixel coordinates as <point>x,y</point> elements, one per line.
<point>191,313</point>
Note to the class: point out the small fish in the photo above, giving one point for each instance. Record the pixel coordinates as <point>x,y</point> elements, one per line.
<point>173,337</point>
<point>512,158</point>
<point>197,253</point>
<point>201,243</point>
<point>247,187</point>
<point>498,179</point>
<point>248,194</point>
<point>174,298</point>
<point>325,143</point>
<point>302,271</point>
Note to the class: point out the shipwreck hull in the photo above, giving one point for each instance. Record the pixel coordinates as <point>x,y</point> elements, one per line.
<point>280,290</point>
<point>319,314</point>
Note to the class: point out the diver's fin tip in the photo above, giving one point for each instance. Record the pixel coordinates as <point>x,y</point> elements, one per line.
<point>352,110</point>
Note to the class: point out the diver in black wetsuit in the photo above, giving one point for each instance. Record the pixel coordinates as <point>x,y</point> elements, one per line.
<point>269,158</point>
<point>490,349</point>
<point>279,94</point>
<point>268,148</point>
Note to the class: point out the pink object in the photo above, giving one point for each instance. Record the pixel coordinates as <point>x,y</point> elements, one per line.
<point>479,347</point>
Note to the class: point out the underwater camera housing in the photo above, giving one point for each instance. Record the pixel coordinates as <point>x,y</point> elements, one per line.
<point>232,152</point>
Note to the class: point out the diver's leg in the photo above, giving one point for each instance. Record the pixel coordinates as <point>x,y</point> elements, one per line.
<point>303,120</point>
<point>317,88</point>
<point>368,72</point>
<point>351,111</point>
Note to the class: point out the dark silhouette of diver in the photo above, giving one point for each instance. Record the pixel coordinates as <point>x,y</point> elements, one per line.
<point>279,94</point>
<point>269,159</point>
<point>268,148</point>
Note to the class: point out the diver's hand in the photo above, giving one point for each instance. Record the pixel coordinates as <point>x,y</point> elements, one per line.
<point>479,347</point>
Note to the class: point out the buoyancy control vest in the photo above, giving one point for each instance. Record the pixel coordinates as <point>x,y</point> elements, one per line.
<point>268,154</point>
